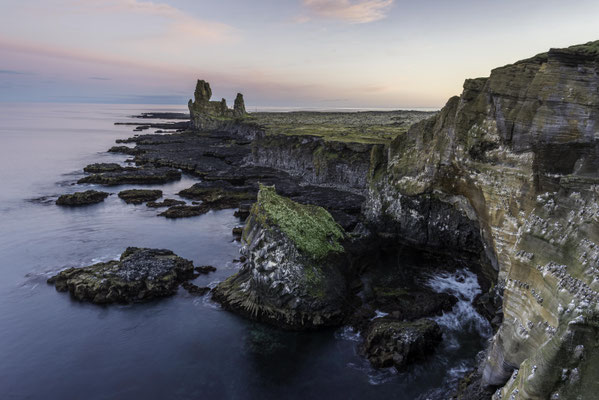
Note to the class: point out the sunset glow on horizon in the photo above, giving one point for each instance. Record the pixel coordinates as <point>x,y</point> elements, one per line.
<point>297,53</point>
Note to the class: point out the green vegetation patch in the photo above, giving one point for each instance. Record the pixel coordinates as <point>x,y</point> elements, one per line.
<point>370,127</point>
<point>590,48</point>
<point>312,229</point>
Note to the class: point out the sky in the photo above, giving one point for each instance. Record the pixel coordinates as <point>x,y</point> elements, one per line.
<point>286,53</point>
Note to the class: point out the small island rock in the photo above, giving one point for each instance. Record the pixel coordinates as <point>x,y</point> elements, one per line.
<point>140,274</point>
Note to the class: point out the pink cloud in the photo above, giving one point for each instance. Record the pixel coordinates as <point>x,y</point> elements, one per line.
<point>179,25</point>
<point>356,12</point>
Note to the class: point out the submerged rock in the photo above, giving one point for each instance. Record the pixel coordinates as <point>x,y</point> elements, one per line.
<point>138,196</point>
<point>82,198</point>
<point>194,289</point>
<point>293,276</point>
<point>141,274</point>
<point>205,269</point>
<point>393,343</point>
<point>137,176</point>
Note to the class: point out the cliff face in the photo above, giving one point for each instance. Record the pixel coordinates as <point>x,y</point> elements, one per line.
<point>316,160</point>
<point>516,156</point>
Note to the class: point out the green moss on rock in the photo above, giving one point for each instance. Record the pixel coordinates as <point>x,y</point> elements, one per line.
<point>311,228</point>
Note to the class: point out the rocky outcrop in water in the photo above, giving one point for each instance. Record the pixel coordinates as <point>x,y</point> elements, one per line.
<point>140,275</point>
<point>393,343</point>
<point>515,159</point>
<point>165,203</point>
<point>102,167</point>
<point>138,196</point>
<point>293,275</point>
<point>206,114</point>
<point>137,176</point>
<point>82,198</point>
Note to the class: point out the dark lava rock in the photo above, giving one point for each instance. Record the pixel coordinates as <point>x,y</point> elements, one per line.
<point>166,203</point>
<point>244,210</point>
<point>162,115</point>
<point>140,274</point>
<point>216,195</point>
<point>132,151</point>
<point>221,194</point>
<point>238,231</point>
<point>138,196</point>
<point>103,167</point>
<point>413,303</point>
<point>392,343</point>
<point>148,175</point>
<point>221,159</point>
<point>185,211</point>
<point>471,387</point>
<point>82,198</point>
<point>194,289</point>
<point>205,269</point>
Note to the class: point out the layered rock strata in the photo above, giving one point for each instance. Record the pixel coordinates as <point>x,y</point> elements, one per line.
<point>516,157</point>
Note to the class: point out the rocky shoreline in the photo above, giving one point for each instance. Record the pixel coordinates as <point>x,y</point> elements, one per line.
<point>345,221</point>
<point>285,187</point>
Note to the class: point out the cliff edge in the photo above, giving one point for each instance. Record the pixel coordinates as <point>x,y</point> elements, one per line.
<point>518,154</point>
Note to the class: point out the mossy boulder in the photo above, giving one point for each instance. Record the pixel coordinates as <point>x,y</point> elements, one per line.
<point>295,269</point>
<point>82,198</point>
<point>311,228</point>
<point>138,196</point>
<point>140,274</point>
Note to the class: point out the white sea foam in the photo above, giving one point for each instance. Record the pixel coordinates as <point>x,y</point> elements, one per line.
<point>348,333</point>
<point>379,314</point>
<point>463,284</point>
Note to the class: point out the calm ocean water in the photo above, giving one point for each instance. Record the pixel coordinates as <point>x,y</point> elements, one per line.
<point>184,347</point>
